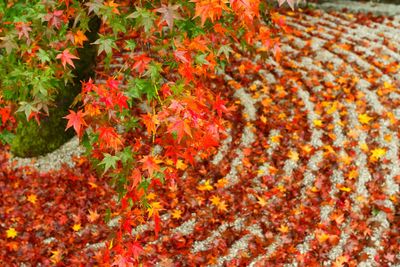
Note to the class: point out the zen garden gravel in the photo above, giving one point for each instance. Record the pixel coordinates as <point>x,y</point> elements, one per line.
<point>322,127</point>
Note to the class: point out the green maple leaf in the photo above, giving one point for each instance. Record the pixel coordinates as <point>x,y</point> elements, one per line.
<point>106,44</point>
<point>143,17</point>
<point>109,161</point>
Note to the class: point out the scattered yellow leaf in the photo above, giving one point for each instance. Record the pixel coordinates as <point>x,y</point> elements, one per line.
<point>293,155</point>
<point>281,188</point>
<point>180,165</point>
<point>206,186</point>
<point>353,174</point>
<point>92,185</point>
<point>11,232</point>
<point>76,227</point>
<point>176,214</point>
<point>55,256</point>
<point>93,216</point>
<point>377,153</point>
<point>222,206</point>
<point>345,189</point>
<point>314,189</point>
<point>215,200</point>
<point>242,69</point>
<point>283,229</point>
<point>364,118</point>
<point>322,237</point>
<point>263,119</point>
<point>32,198</point>
<point>154,207</point>
<point>317,123</point>
<point>253,87</point>
<point>276,138</point>
<point>261,201</point>
<point>306,148</point>
<point>151,196</point>
<point>364,147</point>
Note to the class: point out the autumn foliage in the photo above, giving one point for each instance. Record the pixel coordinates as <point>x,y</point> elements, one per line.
<point>147,117</point>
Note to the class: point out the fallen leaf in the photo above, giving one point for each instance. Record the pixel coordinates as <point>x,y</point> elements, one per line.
<point>11,232</point>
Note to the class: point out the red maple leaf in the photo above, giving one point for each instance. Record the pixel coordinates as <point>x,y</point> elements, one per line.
<point>150,164</point>
<point>109,138</point>
<point>5,114</point>
<point>141,62</point>
<point>157,221</point>
<point>181,127</point>
<point>136,249</point>
<point>54,18</point>
<point>75,119</point>
<point>182,55</point>
<point>66,57</point>
<point>219,105</point>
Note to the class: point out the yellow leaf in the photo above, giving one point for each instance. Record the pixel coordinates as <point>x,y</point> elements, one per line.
<point>76,227</point>
<point>364,118</point>
<point>345,189</point>
<point>242,69</point>
<point>154,207</point>
<point>151,196</point>
<point>261,201</point>
<point>205,187</point>
<point>215,200</point>
<point>92,185</point>
<point>276,138</point>
<point>293,155</point>
<point>317,123</point>
<point>222,206</point>
<point>377,153</point>
<point>11,233</point>
<point>322,237</point>
<point>283,229</point>
<point>314,189</point>
<point>263,119</point>
<point>93,216</point>
<point>180,165</point>
<point>253,87</point>
<point>55,256</point>
<point>306,148</point>
<point>176,214</point>
<point>32,198</point>
<point>353,174</point>
<point>364,147</point>
<point>281,188</point>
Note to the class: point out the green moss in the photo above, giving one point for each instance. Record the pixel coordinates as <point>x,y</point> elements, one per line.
<point>33,140</point>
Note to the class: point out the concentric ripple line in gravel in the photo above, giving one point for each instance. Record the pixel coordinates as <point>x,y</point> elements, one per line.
<point>311,117</point>
<point>240,244</point>
<point>354,38</point>
<point>364,177</point>
<point>359,32</point>
<point>249,114</point>
<point>373,101</point>
<point>223,149</point>
<point>288,168</point>
<point>205,244</point>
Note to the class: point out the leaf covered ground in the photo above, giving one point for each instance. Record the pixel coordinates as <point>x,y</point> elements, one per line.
<point>308,174</point>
